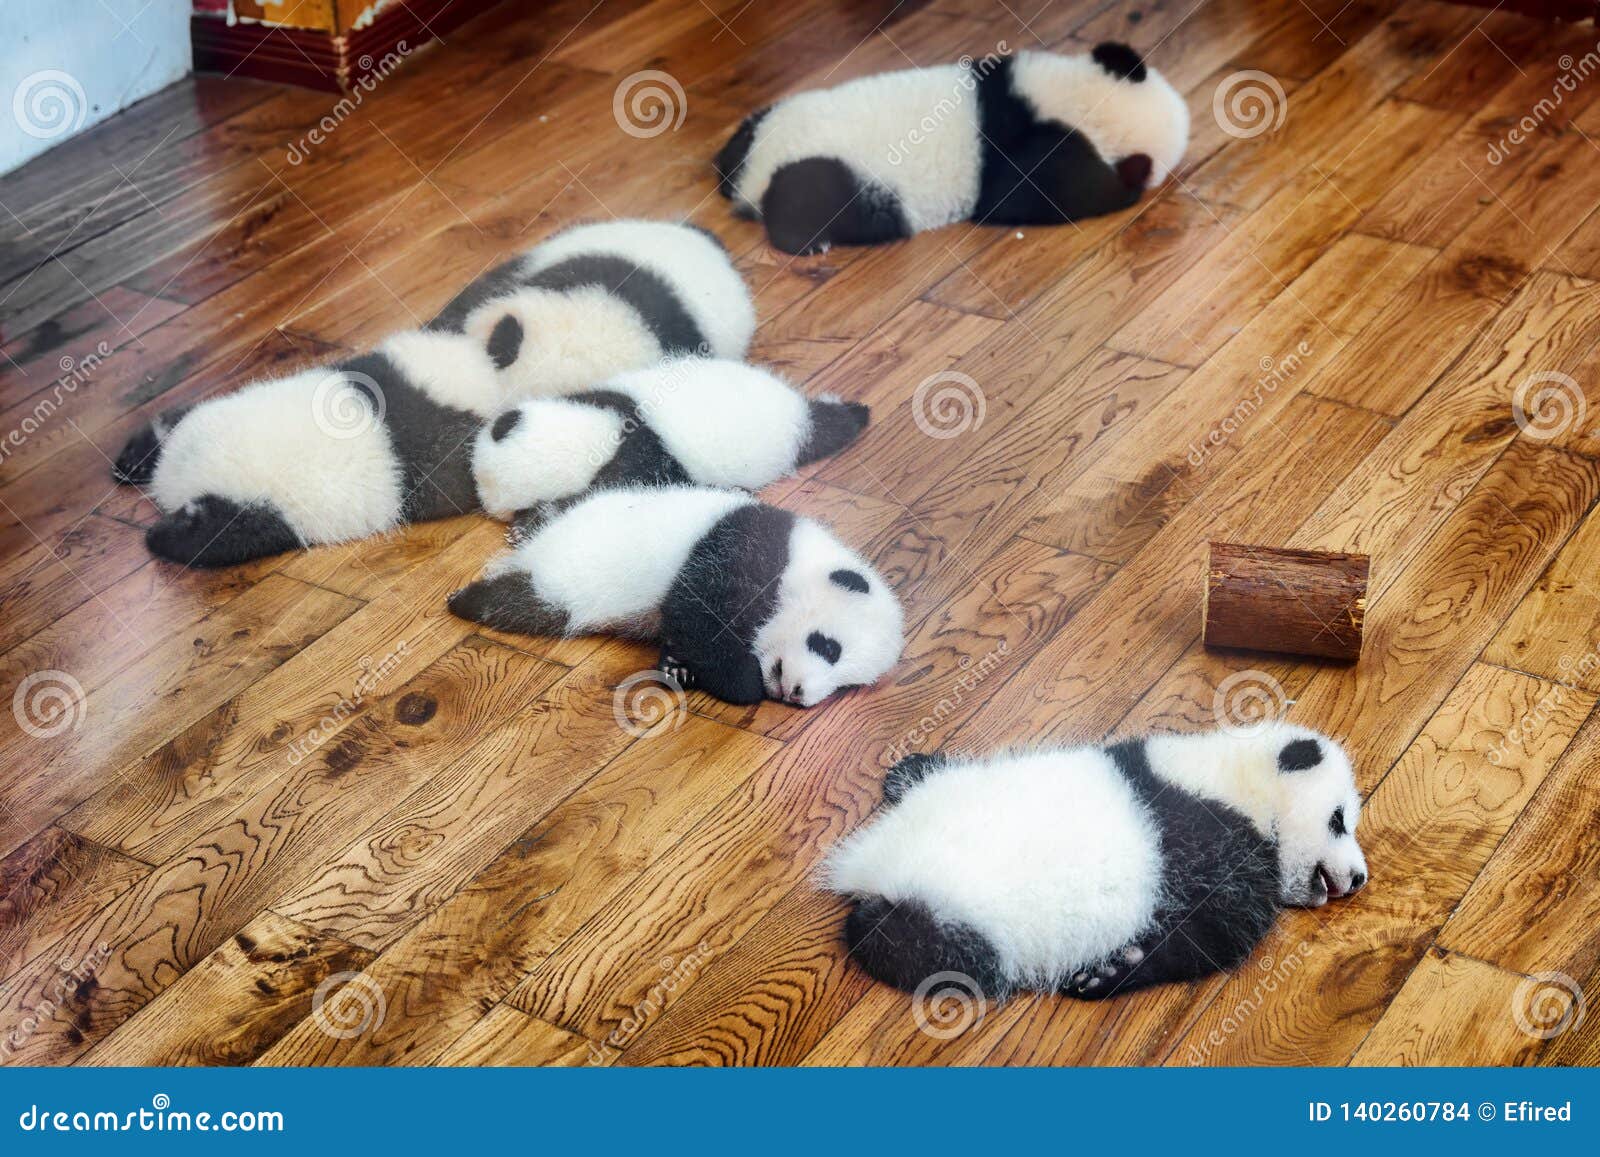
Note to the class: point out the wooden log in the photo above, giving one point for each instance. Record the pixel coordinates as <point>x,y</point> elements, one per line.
<point>1297,602</point>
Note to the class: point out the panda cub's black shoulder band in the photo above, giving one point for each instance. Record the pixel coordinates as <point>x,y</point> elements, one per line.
<point>729,586</point>
<point>640,458</point>
<point>432,441</point>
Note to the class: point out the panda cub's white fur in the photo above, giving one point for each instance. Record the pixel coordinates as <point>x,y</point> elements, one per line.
<point>746,600</point>
<point>1098,870</point>
<point>706,421</point>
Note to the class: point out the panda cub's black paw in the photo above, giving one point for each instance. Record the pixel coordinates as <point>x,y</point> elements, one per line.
<point>1106,978</point>
<point>675,670</point>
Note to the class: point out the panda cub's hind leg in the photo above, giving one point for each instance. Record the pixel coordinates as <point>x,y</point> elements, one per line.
<point>508,602</point>
<point>212,531</point>
<point>1116,974</point>
<point>812,204</point>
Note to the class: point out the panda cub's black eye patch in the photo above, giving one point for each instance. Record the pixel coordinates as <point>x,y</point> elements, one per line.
<point>1299,755</point>
<point>1336,821</point>
<point>819,644</point>
<point>850,580</point>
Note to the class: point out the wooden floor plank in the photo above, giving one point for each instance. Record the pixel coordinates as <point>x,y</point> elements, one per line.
<point>1534,907</point>
<point>166,923</point>
<point>1452,1006</point>
<point>1553,630</point>
<point>233,1004</point>
<point>51,771</point>
<point>1136,486</point>
<point>450,830</point>
<point>509,1037</point>
<point>199,776</point>
<point>1199,313</point>
<point>51,883</point>
<point>447,971</point>
<point>1252,168</point>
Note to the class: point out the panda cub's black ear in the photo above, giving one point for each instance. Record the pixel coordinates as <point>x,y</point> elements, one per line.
<point>1300,754</point>
<point>850,580</point>
<point>505,342</point>
<point>1119,60</point>
<point>506,422</point>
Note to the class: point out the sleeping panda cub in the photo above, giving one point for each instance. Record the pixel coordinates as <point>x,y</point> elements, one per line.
<point>1098,870</point>
<point>1031,139</point>
<point>601,299</point>
<point>385,438</point>
<point>746,601</point>
<point>705,421</point>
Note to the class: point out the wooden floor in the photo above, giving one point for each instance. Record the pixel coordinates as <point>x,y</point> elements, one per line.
<point>305,775</point>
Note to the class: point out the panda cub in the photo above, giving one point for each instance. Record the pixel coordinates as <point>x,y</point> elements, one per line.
<point>746,601</point>
<point>1098,870</point>
<point>344,451</point>
<point>1031,139</point>
<point>601,299</point>
<point>704,421</point>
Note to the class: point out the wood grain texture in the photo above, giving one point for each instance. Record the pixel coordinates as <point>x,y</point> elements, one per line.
<point>1481,1001</point>
<point>230,1006</point>
<point>1535,907</point>
<point>305,771</point>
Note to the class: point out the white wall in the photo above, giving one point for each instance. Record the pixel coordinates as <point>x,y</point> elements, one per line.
<point>66,64</point>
